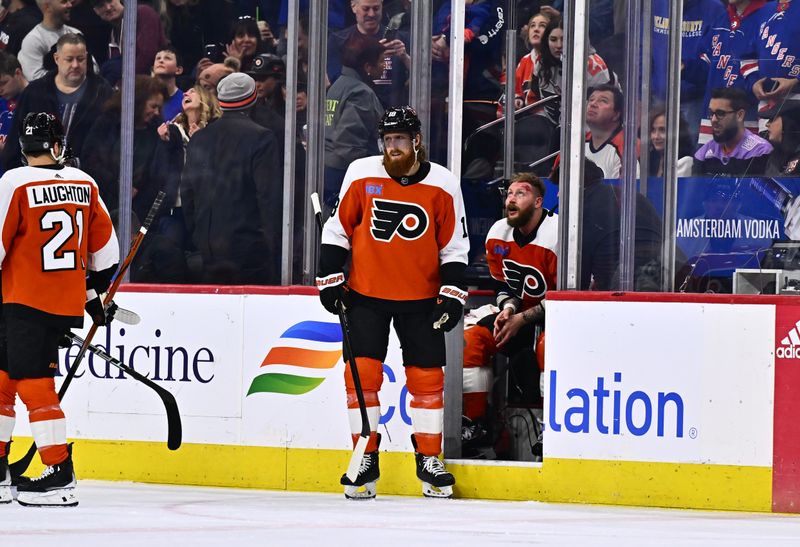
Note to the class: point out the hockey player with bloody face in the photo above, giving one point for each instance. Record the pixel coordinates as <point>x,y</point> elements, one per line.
<point>402,218</point>
<point>520,252</point>
<point>58,254</point>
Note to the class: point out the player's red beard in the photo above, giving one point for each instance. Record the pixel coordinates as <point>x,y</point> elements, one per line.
<point>398,166</point>
<point>522,217</point>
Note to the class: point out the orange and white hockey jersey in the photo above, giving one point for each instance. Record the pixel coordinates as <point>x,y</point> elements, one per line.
<point>528,268</point>
<point>55,228</point>
<point>398,234</point>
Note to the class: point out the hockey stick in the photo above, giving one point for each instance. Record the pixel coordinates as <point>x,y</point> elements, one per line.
<point>173,415</point>
<point>361,444</point>
<point>18,467</point>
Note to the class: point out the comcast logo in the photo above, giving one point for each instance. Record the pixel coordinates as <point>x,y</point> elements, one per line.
<point>790,345</point>
<point>308,347</point>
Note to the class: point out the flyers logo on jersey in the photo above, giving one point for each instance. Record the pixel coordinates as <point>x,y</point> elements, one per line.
<point>524,280</point>
<point>408,220</point>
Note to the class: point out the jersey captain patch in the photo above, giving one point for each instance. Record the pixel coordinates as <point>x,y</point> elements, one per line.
<point>524,279</point>
<point>408,220</point>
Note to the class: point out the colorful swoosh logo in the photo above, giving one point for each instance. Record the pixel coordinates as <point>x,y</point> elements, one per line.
<point>289,353</point>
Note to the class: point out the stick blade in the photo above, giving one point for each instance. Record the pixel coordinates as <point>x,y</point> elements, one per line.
<point>355,459</point>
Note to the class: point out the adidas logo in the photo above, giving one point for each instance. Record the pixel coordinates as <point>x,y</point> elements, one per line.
<point>790,345</point>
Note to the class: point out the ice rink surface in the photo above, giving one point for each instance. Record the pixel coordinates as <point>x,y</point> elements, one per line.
<point>125,514</point>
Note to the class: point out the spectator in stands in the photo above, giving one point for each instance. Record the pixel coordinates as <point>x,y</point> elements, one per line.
<point>779,57</point>
<point>167,67</point>
<point>389,85</point>
<point>547,77</point>
<point>12,84</point>
<point>735,151</point>
<point>727,57</point>
<point>525,93</point>
<point>195,23</point>
<point>18,19</point>
<point>698,16</point>
<point>94,29</point>
<point>783,133</point>
<point>73,92</point>
<point>43,36</point>
<point>150,37</point>
<point>245,41</point>
<point>269,71</point>
<point>484,27</point>
<point>210,77</point>
<point>232,191</point>
<point>200,107</point>
<point>352,111</point>
<point>605,137</point>
<point>658,141</point>
<point>102,149</point>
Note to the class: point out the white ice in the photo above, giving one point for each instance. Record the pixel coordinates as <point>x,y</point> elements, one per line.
<point>125,514</point>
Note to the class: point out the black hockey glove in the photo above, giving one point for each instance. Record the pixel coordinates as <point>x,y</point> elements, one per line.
<point>332,290</point>
<point>101,315</point>
<point>449,308</point>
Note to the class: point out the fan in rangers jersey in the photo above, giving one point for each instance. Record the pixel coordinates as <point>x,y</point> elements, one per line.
<point>521,253</point>
<point>401,218</point>
<point>58,253</point>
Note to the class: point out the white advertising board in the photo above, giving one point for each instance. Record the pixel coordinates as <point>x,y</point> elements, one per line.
<point>208,350</point>
<point>660,382</point>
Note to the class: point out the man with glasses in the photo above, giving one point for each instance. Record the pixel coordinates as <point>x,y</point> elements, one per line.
<point>735,150</point>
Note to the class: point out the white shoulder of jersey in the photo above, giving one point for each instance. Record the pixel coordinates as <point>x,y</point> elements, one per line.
<point>444,178</point>
<point>371,166</point>
<point>20,176</point>
<point>548,233</point>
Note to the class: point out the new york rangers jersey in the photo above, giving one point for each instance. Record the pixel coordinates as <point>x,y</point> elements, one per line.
<point>399,234</point>
<point>526,264</point>
<point>55,230</point>
<point>779,45</point>
<point>731,51</point>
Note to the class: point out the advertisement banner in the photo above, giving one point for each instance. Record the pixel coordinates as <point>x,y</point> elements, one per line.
<point>254,370</point>
<point>659,382</point>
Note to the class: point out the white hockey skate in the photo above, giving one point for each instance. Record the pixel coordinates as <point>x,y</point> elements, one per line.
<point>6,495</point>
<point>363,488</point>
<point>54,488</point>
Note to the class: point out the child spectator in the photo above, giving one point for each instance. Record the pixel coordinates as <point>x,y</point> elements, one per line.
<point>167,67</point>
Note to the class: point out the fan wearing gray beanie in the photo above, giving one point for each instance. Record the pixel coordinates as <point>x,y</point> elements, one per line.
<point>232,192</point>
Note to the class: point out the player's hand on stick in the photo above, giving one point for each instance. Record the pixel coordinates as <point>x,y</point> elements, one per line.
<point>449,308</point>
<point>332,290</point>
<point>101,315</point>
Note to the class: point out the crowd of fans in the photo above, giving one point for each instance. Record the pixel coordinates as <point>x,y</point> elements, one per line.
<point>740,67</point>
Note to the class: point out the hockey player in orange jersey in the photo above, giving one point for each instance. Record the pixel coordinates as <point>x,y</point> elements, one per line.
<point>401,218</point>
<point>521,253</point>
<point>58,253</point>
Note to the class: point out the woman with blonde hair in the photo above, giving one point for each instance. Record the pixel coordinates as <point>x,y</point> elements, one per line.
<point>199,108</point>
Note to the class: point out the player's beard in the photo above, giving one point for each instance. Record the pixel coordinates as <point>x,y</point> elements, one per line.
<point>398,166</point>
<point>524,216</point>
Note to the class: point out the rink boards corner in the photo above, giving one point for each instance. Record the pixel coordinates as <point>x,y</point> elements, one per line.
<point>654,400</point>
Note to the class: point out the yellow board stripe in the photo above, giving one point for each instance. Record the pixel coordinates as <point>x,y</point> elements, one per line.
<point>695,486</point>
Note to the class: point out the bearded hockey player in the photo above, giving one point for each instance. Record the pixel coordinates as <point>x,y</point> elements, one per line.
<point>401,218</point>
<point>521,253</point>
<point>58,254</point>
